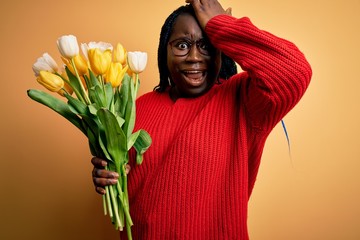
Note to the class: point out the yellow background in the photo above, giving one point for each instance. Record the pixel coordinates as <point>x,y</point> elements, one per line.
<point>45,179</point>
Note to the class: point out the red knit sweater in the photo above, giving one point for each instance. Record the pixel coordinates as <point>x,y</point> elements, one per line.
<point>196,178</point>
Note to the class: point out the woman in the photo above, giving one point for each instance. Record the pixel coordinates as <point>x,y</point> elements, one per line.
<point>208,133</point>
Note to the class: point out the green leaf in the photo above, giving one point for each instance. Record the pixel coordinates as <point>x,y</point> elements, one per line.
<point>58,106</point>
<point>117,101</point>
<point>117,105</point>
<point>93,109</point>
<point>93,80</point>
<point>130,111</point>
<point>95,130</point>
<point>132,139</point>
<point>120,120</point>
<point>124,95</point>
<point>115,137</point>
<point>103,147</point>
<point>97,96</point>
<point>109,94</point>
<point>94,124</point>
<point>94,148</point>
<point>141,142</point>
<point>78,106</point>
<point>139,158</point>
<point>73,79</point>
<point>87,81</point>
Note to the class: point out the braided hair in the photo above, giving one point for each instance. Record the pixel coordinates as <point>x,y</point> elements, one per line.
<point>228,66</point>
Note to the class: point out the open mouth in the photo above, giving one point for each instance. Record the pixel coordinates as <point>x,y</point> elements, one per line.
<point>194,78</point>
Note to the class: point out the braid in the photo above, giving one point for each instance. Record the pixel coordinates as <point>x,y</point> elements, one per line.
<point>165,34</point>
<point>228,67</point>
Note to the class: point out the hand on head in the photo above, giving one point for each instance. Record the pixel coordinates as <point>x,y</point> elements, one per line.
<point>207,9</point>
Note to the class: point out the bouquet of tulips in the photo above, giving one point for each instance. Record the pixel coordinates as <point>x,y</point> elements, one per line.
<point>98,90</point>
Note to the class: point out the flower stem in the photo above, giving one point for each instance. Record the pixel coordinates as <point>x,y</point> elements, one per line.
<point>136,80</point>
<point>66,92</point>
<point>104,204</point>
<point>107,194</point>
<point>103,88</point>
<point>124,198</point>
<point>84,94</point>
<point>129,221</point>
<point>124,202</point>
<point>115,206</point>
<point>78,95</point>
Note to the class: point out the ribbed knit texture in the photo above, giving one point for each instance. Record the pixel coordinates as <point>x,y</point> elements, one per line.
<point>196,178</point>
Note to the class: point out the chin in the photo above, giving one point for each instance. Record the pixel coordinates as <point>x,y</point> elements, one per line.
<point>198,91</point>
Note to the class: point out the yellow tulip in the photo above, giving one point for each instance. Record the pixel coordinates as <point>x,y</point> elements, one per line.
<point>50,81</point>
<point>101,45</point>
<point>115,74</point>
<point>81,65</point>
<point>99,60</point>
<point>120,54</point>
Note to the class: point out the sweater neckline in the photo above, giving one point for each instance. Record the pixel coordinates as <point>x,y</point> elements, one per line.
<point>168,102</point>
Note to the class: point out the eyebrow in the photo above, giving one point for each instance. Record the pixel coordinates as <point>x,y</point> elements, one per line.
<point>187,39</point>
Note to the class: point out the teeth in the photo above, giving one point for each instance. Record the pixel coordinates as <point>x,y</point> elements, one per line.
<point>192,72</point>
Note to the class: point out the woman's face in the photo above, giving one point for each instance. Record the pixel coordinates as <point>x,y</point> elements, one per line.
<point>195,72</point>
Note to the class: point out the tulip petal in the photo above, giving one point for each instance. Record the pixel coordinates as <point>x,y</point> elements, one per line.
<point>137,61</point>
<point>44,63</point>
<point>68,46</point>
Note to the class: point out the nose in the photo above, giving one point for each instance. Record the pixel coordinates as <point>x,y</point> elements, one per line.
<point>194,54</point>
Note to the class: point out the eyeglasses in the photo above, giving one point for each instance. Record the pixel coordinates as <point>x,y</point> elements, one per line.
<point>181,47</point>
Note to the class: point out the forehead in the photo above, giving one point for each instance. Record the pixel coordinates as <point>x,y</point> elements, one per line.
<point>186,26</point>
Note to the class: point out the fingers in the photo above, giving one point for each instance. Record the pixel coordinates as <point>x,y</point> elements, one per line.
<point>229,11</point>
<point>100,190</point>
<point>98,162</point>
<point>127,168</point>
<point>206,9</point>
<point>102,173</point>
<point>102,177</point>
<point>195,3</point>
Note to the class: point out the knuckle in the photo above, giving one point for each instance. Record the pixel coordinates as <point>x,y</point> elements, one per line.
<point>95,181</point>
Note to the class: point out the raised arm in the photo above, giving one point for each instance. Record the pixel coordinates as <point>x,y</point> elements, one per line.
<point>278,73</point>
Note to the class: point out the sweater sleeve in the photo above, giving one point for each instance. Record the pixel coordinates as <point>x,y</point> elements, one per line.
<point>277,73</point>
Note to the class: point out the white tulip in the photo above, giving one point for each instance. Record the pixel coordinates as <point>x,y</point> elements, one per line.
<point>44,63</point>
<point>68,46</point>
<point>85,49</point>
<point>101,45</point>
<point>137,61</point>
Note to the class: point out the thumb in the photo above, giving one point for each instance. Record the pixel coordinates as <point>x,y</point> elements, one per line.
<point>229,11</point>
